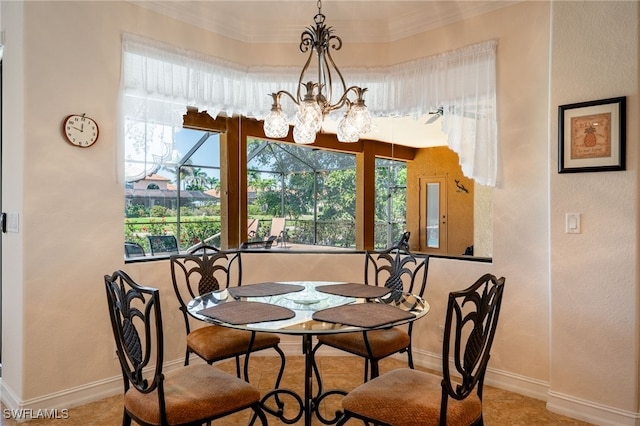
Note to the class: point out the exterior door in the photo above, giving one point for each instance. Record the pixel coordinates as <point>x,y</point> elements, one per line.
<point>433,214</point>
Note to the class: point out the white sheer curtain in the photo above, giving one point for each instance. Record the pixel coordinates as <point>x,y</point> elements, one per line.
<point>159,81</point>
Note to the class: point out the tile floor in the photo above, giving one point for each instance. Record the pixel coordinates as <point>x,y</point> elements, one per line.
<point>500,407</point>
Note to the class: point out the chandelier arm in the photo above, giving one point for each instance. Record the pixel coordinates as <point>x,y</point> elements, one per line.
<point>325,78</point>
<point>284,92</point>
<point>302,73</point>
<point>328,55</point>
<point>344,99</point>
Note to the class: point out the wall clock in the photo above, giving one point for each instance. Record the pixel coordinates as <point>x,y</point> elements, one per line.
<point>80,130</point>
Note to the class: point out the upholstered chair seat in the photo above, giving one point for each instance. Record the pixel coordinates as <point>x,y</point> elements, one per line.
<point>192,393</point>
<point>383,342</point>
<point>213,342</point>
<point>419,406</point>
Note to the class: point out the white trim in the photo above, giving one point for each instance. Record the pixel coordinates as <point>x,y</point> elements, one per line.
<point>556,402</point>
<point>591,412</point>
<point>505,380</point>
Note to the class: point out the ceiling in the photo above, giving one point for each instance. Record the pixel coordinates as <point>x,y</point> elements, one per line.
<point>260,21</point>
<point>263,21</point>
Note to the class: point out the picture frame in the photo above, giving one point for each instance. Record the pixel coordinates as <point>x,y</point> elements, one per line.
<point>592,136</point>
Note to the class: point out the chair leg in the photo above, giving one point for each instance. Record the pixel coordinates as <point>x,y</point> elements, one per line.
<point>375,370</point>
<point>259,413</point>
<point>343,419</point>
<point>238,367</point>
<point>366,370</point>
<point>410,356</point>
<point>126,419</point>
<point>186,357</point>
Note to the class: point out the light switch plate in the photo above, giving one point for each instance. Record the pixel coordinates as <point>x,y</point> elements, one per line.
<point>573,223</point>
<point>12,222</point>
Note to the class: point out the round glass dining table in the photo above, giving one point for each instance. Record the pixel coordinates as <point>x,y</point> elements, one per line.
<point>307,308</point>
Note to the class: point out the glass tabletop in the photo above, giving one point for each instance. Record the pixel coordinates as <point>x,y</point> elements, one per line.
<point>304,304</point>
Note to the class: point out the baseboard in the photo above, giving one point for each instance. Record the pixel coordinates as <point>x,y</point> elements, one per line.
<point>590,412</point>
<point>565,405</point>
<point>558,403</point>
<point>72,397</point>
<point>500,379</point>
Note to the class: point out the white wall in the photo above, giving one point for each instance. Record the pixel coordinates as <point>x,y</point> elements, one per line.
<point>57,348</point>
<point>594,275</point>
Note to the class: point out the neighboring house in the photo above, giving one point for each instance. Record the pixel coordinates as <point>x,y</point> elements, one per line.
<point>156,190</point>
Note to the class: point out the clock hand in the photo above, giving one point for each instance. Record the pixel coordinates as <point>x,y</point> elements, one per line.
<point>74,127</point>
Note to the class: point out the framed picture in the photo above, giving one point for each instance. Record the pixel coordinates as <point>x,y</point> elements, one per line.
<point>591,136</point>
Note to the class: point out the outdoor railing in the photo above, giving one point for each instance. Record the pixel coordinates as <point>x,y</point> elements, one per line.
<point>298,231</point>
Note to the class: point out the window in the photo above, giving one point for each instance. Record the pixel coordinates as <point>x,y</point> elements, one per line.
<point>179,193</point>
<point>313,189</point>
<point>391,201</point>
<point>159,82</point>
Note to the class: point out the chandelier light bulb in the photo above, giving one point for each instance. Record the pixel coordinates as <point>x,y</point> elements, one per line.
<point>276,124</point>
<point>360,118</point>
<point>303,136</point>
<point>346,131</point>
<point>309,116</point>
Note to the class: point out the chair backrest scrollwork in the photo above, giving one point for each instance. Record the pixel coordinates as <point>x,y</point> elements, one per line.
<point>205,270</point>
<point>136,322</point>
<point>470,326</point>
<point>398,269</point>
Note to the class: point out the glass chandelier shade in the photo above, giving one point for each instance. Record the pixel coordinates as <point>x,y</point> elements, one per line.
<point>317,101</point>
<point>276,123</point>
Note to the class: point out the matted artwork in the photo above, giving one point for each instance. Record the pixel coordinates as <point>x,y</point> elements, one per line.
<point>591,136</point>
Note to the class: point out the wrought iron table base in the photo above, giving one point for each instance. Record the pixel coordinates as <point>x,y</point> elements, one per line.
<point>308,405</point>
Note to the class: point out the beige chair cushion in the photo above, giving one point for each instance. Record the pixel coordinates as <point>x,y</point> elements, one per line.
<point>215,342</point>
<point>383,342</point>
<point>406,397</point>
<point>191,393</point>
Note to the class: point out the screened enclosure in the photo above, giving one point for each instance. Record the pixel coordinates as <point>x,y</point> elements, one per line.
<point>305,196</point>
<point>315,191</point>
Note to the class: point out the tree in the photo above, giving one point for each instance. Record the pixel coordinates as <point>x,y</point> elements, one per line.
<point>196,179</point>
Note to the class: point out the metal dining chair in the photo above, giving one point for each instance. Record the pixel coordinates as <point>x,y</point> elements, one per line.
<point>205,270</point>
<point>193,394</point>
<point>406,397</point>
<point>399,270</point>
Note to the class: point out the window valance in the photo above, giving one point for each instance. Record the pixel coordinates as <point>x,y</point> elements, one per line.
<point>158,80</point>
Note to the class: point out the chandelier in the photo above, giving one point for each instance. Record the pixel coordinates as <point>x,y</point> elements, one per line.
<point>317,100</point>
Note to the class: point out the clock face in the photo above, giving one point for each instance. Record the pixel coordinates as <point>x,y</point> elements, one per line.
<point>80,130</point>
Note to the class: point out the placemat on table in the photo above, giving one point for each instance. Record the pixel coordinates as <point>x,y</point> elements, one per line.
<point>363,315</point>
<point>238,312</point>
<point>354,290</point>
<point>264,289</point>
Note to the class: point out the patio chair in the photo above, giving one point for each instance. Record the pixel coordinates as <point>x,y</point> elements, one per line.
<point>194,394</point>
<point>132,249</point>
<point>278,230</point>
<point>163,244</point>
<point>252,228</point>
<point>204,271</point>
<point>405,397</point>
<point>276,235</point>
